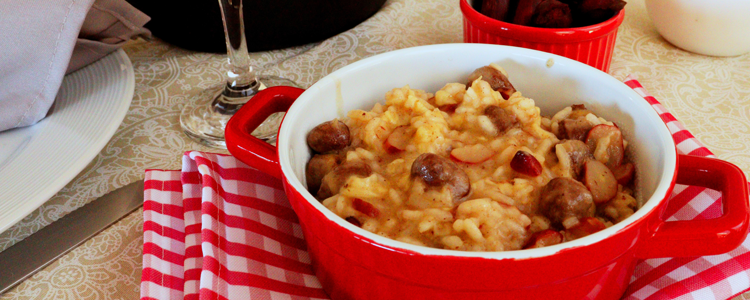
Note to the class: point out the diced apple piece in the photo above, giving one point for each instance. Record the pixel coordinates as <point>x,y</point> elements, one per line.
<point>615,151</point>
<point>600,181</point>
<point>585,227</point>
<point>544,238</point>
<point>525,163</point>
<point>398,140</point>
<point>624,173</point>
<point>366,208</point>
<point>473,154</point>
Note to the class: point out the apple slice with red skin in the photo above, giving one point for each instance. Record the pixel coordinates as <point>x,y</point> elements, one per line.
<point>599,180</point>
<point>624,173</point>
<point>398,140</point>
<point>585,226</point>
<point>616,148</point>
<point>366,208</point>
<point>544,238</point>
<point>525,163</point>
<point>473,154</point>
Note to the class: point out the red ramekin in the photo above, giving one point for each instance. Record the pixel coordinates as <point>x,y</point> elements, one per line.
<point>592,45</point>
<point>352,263</point>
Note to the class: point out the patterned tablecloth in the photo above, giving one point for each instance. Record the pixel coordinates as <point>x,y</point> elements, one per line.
<point>711,96</point>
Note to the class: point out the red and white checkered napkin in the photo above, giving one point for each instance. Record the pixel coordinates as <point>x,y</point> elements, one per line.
<point>707,277</point>
<point>219,229</point>
<point>222,230</point>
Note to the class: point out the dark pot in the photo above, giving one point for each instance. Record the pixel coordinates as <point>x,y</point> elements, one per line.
<point>196,25</point>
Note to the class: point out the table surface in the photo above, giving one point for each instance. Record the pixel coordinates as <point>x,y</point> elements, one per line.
<point>710,95</point>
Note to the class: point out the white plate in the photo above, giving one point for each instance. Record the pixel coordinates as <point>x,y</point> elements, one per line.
<point>39,160</point>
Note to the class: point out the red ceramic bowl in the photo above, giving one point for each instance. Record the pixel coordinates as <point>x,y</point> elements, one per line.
<point>352,263</point>
<point>592,45</point>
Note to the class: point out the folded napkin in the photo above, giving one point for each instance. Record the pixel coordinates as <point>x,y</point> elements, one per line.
<point>222,229</point>
<point>41,41</point>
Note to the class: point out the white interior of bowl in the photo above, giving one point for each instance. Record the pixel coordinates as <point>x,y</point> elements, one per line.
<point>362,84</point>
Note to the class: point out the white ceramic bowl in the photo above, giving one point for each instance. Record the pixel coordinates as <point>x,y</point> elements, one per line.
<point>709,27</point>
<point>564,83</point>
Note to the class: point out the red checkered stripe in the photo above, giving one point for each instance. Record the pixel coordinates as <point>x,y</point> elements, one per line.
<point>708,277</point>
<point>251,241</point>
<point>685,141</point>
<point>191,202</point>
<point>163,236</point>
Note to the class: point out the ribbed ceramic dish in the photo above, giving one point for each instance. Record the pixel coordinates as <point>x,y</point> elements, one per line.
<point>592,45</point>
<point>353,263</point>
<point>39,160</point>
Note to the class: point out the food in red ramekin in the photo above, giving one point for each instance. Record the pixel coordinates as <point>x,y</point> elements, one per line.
<point>474,166</point>
<point>353,263</point>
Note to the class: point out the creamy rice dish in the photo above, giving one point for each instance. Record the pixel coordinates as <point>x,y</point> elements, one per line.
<point>474,166</point>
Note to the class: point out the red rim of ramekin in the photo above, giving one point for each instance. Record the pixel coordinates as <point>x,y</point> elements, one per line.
<point>540,35</point>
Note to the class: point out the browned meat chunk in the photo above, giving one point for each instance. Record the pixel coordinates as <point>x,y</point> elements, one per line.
<point>589,12</point>
<point>564,198</point>
<point>575,129</point>
<point>317,168</point>
<point>579,153</point>
<point>525,11</point>
<point>497,80</point>
<point>575,126</point>
<point>502,119</point>
<point>329,136</point>
<point>334,180</point>
<point>496,9</point>
<point>552,14</point>
<point>438,171</point>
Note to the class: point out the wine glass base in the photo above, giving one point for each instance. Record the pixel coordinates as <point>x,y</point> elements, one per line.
<point>204,119</point>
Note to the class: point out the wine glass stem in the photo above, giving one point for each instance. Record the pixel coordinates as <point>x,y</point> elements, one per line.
<point>241,80</point>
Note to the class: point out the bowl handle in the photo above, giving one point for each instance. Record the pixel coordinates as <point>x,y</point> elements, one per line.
<point>704,237</point>
<point>249,149</point>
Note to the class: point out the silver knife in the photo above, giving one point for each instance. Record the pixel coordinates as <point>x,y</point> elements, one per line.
<point>55,240</point>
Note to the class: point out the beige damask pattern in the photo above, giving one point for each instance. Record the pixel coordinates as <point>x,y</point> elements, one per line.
<point>711,96</point>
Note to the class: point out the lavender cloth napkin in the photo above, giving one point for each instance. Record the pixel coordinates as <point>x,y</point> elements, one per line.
<point>42,40</point>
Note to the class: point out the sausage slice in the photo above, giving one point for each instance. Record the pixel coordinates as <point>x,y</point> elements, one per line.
<point>502,119</point>
<point>563,198</point>
<point>497,80</point>
<point>437,171</point>
<point>317,168</point>
<point>329,136</point>
<point>579,153</point>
